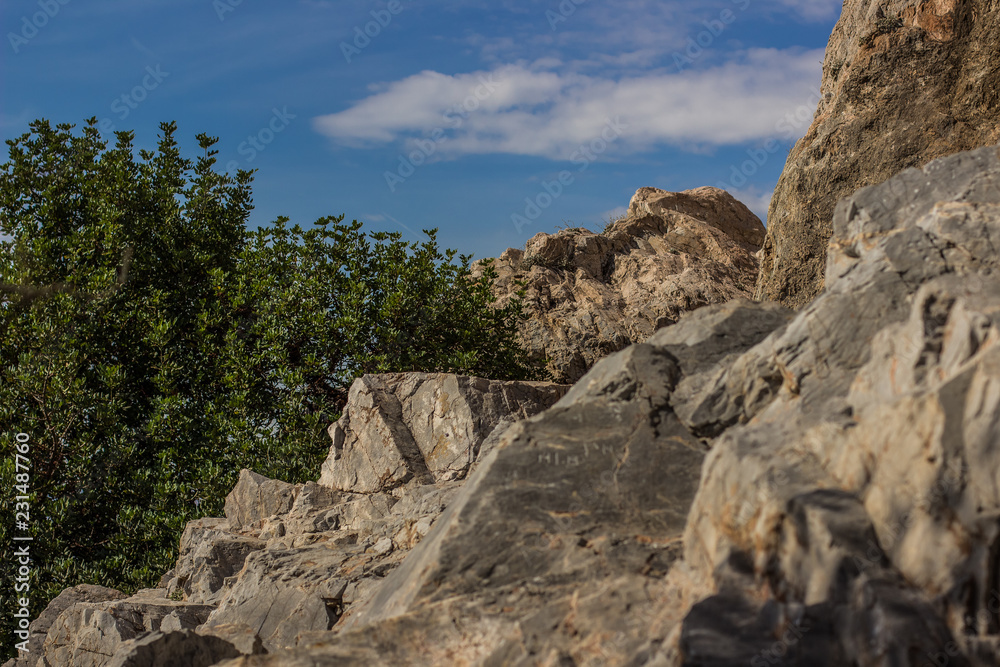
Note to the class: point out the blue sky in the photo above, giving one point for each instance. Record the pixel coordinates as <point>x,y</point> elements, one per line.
<point>489,120</point>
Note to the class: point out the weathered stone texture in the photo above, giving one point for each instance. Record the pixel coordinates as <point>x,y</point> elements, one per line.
<point>423,428</point>
<point>589,295</point>
<point>903,83</point>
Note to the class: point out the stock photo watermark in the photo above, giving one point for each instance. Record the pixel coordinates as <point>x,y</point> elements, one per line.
<point>697,45</point>
<point>454,117</point>
<point>776,652</point>
<point>363,35</point>
<point>223,7</point>
<point>985,622</point>
<point>30,25</point>
<point>129,101</point>
<point>787,129</point>
<point>21,541</point>
<point>257,143</point>
<point>584,156</point>
<point>562,12</point>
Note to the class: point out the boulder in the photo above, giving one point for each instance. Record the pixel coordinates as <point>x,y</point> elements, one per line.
<point>861,494</point>
<point>89,634</point>
<point>423,428</point>
<point>283,592</point>
<point>562,539</point>
<point>69,597</point>
<point>255,498</point>
<point>239,635</point>
<point>750,485</point>
<point>588,295</point>
<point>209,553</point>
<point>903,83</point>
<point>302,583</point>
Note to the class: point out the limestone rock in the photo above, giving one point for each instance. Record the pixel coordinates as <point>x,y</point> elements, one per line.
<point>903,83</point>
<point>588,295</point>
<point>239,635</point>
<point>283,592</point>
<point>308,582</point>
<point>209,554</point>
<point>88,634</point>
<point>181,647</point>
<point>750,486</point>
<point>68,598</point>
<point>561,541</point>
<point>424,428</point>
<point>862,493</point>
<point>255,498</point>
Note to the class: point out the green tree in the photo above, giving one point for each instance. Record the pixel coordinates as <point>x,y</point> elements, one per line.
<point>151,345</point>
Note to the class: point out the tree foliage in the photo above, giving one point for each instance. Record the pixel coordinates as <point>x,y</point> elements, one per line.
<point>151,345</point>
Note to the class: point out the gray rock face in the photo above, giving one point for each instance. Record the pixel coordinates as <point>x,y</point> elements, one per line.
<point>293,559</point>
<point>749,486</point>
<point>588,467</point>
<point>209,554</point>
<point>865,490</point>
<point>170,649</point>
<point>423,427</point>
<point>40,626</point>
<point>559,545</point>
<point>848,509</point>
<point>89,634</point>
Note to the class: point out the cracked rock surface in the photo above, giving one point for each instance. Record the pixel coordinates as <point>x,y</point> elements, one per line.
<point>748,486</point>
<point>589,295</point>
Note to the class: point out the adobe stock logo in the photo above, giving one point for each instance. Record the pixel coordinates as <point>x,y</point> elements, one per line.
<point>127,102</point>
<point>31,25</point>
<point>258,143</point>
<point>223,7</point>
<point>697,45</point>
<point>363,36</point>
<point>455,116</point>
<point>566,9</point>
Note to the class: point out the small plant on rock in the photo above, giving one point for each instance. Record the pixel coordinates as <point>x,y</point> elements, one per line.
<point>883,26</point>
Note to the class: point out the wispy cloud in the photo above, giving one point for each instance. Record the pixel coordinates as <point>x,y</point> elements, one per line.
<point>543,111</point>
<point>628,33</point>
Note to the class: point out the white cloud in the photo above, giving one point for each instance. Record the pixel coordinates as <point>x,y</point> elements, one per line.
<point>755,199</point>
<point>538,110</point>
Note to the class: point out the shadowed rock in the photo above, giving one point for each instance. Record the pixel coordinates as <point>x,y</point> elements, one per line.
<point>867,486</point>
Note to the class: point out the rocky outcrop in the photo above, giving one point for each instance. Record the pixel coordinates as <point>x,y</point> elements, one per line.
<point>557,549</point>
<point>40,627</point>
<point>750,485</point>
<point>588,295</point>
<point>859,508</point>
<point>903,83</point>
<point>847,510</point>
<point>168,649</point>
<point>91,633</point>
<point>423,427</point>
<point>290,559</point>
